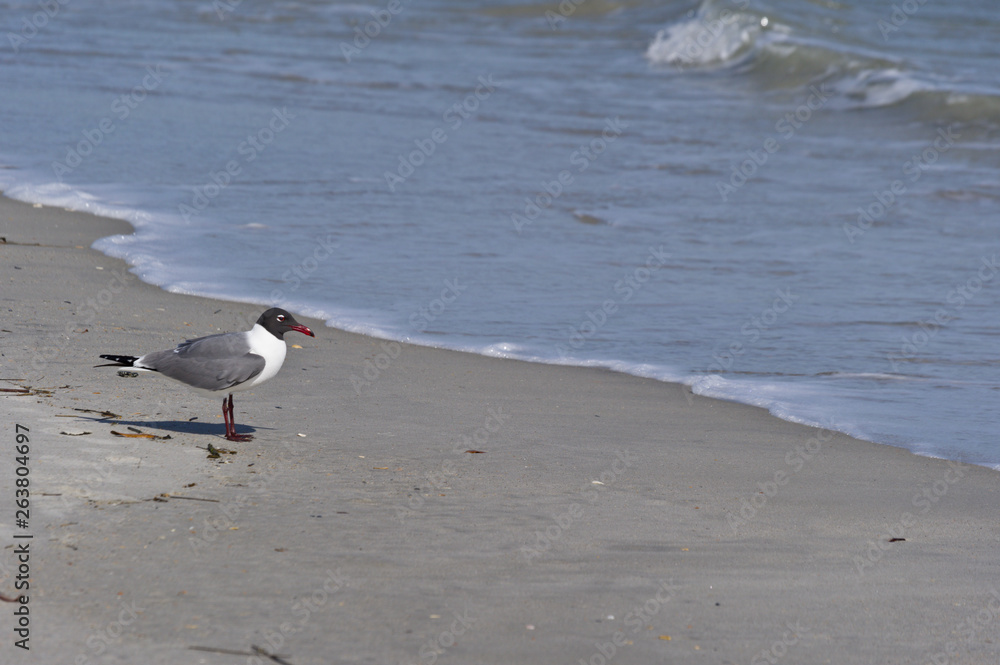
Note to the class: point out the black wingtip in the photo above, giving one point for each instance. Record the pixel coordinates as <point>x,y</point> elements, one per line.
<point>119,361</point>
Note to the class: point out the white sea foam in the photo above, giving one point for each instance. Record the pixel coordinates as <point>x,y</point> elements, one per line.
<point>60,195</point>
<point>705,40</point>
<point>874,88</point>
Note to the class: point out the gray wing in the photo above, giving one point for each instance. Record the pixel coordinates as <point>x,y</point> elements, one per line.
<point>216,362</point>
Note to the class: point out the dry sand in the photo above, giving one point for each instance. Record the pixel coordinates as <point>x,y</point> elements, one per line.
<point>608,518</point>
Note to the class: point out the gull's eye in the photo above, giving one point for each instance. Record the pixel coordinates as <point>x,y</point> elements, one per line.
<point>281,317</point>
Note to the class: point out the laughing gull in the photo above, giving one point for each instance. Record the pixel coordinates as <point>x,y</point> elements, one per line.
<point>224,363</point>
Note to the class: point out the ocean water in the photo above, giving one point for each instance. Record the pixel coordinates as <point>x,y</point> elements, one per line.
<point>788,204</point>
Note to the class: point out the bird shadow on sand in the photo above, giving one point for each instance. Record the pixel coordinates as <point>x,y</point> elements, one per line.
<point>217,430</point>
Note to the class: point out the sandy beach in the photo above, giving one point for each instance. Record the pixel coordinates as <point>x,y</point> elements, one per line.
<point>402,504</point>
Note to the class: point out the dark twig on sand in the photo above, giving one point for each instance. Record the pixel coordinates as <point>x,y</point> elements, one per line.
<point>155,437</point>
<point>264,652</point>
<point>190,498</point>
<point>104,414</point>
<point>257,651</point>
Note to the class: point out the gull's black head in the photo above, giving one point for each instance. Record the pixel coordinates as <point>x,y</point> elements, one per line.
<point>277,322</point>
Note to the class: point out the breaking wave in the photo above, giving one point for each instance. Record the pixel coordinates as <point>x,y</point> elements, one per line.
<point>779,53</point>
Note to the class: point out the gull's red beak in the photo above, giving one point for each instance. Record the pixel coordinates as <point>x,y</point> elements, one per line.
<point>304,330</point>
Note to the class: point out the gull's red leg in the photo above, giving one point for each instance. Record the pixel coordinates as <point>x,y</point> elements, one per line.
<point>225,417</point>
<point>231,434</point>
